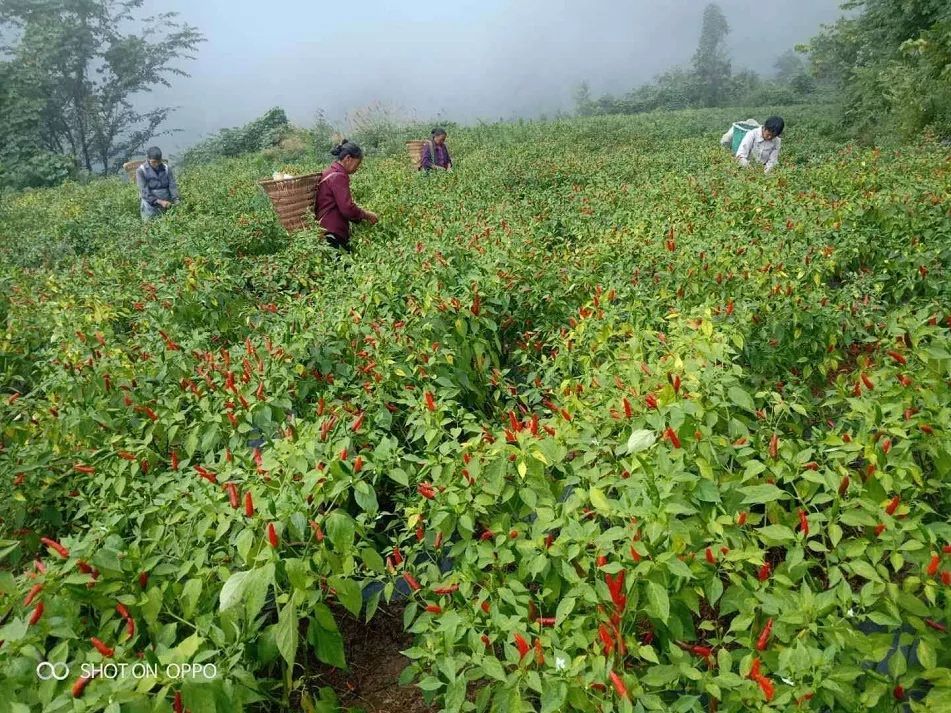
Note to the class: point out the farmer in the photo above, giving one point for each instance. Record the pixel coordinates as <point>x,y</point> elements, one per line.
<point>334,206</point>
<point>761,143</point>
<point>157,187</point>
<point>435,154</point>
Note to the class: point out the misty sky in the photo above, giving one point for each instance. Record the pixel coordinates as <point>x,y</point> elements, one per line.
<point>461,60</point>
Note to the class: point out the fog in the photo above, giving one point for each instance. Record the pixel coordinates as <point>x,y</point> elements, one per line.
<point>460,60</point>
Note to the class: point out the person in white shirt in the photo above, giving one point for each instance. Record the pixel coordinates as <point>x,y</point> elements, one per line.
<point>761,144</point>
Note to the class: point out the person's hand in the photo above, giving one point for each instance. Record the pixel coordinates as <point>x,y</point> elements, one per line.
<point>164,204</point>
<point>372,218</point>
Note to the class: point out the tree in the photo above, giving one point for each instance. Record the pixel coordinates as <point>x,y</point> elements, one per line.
<point>582,97</point>
<point>890,62</point>
<point>79,65</point>
<point>711,64</point>
<point>788,66</point>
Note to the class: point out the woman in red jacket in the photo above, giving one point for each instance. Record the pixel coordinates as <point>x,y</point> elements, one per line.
<point>334,206</point>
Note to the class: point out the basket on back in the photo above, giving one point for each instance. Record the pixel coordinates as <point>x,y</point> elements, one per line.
<point>293,199</point>
<point>130,167</point>
<point>415,150</point>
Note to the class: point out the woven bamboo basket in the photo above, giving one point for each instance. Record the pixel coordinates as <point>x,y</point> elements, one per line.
<point>415,150</point>
<point>293,199</point>
<point>130,167</point>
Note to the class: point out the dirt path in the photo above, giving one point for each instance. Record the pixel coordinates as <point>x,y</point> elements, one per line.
<point>373,653</point>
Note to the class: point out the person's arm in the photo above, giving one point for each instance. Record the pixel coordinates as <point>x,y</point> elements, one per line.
<point>172,185</point>
<point>144,192</point>
<point>448,159</point>
<point>774,158</point>
<point>344,200</point>
<point>746,146</point>
<point>426,159</point>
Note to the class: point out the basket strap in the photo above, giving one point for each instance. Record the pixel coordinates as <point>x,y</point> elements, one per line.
<point>320,216</point>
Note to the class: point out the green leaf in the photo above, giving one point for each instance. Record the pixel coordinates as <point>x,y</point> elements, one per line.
<point>741,398</point>
<point>285,633</point>
<point>340,530</point>
<point>565,607</point>
<point>493,668</point>
<point>599,500</point>
<point>640,440</point>
<point>232,591</point>
<point>658,604</point>
<point>553,696</point>
<point>348,594</point>
<point>759,494</point>
<point>865,570</point>
<point>325,638</point>
<point>776,533</point>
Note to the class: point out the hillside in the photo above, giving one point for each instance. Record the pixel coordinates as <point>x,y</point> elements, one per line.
<point>623,426</point>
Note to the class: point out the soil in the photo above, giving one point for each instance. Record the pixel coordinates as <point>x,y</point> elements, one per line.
<point>373,653</point>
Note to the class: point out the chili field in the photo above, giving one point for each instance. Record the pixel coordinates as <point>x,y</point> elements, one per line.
<point>616,425</point>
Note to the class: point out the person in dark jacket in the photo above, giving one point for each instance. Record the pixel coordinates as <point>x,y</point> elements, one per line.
<point>435,153</point>
<point>334,205</point>
<point>158,190</point>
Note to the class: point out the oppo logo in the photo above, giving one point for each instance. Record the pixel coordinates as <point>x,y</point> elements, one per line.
<point>46,670</point>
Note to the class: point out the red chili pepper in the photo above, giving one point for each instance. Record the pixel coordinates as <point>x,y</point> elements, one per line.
<point>174,460</point>
<point>357,422</point>
<point>521,645</point>
<point>933,565</point>
<point>539,654</point>
<point>87,469</point>
<point>804,523</point>
<point>37,613</point>
<point>741,518</point>
<point>671,435</point>
<point>754,670</point>
<point>177,705</point>
<point>444,591</point>
<point>899,692</point>
<point>546,621</point>
<point>101,647</point>
<point>618,684</point>
<point>936,626</point>
<point>898,358</point>
<point>248,504</point>
<point>651,401</point>
<point>892,505</point>
<point>766,686</point>
<point>616,588</point>
<point>486,606</point>
<point>143,579</point>
<point>31,595</point>
<point>946,578</point>
<point>272,537</point>
<point>83,567</point>
<point>869,384</point>
<point>711,558</point>
<point>843,486</point>
<point>80,685</point>
<point>434,609</point>
<point>411,581</point>
<point>232,491</point>
<point>774,446</point>
<point>704,651</point>
<point>426,490</point>
<point>54,545</point>
<point>879,529</point>
<point>628,411</point>
<point>763,639</point>
<point>764,572</point>
<point>606,639</point>
<point>122,610</point>
<point>430,401</point>
<point>946,549</point>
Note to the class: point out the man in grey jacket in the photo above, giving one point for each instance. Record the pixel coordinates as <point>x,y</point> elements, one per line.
<point>157,187</point>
